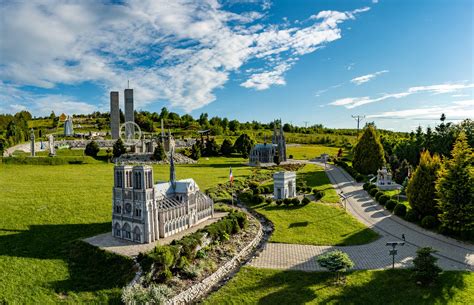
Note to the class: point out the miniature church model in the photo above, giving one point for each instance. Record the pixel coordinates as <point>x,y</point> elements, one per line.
<point>144,212</point>
<point>266,153</point>
<point>284,185</point>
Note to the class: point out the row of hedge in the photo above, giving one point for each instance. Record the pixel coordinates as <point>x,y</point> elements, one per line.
<point>58,160</point>
<point>356,175</point>
<point>398,208</point>
<point>293,201</point>
<point>176,257</point>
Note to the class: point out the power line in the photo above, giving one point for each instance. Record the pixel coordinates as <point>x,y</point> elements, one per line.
<point>358,118</point>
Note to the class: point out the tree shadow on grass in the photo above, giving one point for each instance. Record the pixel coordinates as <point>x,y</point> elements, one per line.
<point>90,269</point>
<point>298,224</point>
<point>363,287</point>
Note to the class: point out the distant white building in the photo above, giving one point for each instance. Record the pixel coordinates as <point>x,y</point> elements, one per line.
<point>284,185</point>
<point>144,212</point>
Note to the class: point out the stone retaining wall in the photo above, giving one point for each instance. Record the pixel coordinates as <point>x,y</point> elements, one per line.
<point>199,290</point>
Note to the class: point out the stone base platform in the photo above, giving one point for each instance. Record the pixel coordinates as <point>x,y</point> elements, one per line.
<point>109,243</point>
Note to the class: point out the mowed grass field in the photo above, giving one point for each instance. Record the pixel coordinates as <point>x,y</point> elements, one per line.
<point>46,208</point>
<point>316,223</point>
<point>264,286</point>
<point>308,152</point>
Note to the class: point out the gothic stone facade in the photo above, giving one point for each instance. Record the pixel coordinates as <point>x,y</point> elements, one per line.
<point>266,153</point>
<point>143,212</point>
<point>284,185</point>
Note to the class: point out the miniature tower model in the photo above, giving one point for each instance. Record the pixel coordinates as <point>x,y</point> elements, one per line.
<point>114,115</point>
<point>52,151</point>
<point>32,138</point>
<point>129,114</point>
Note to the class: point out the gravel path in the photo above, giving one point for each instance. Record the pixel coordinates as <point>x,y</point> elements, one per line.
<point>452,254</point>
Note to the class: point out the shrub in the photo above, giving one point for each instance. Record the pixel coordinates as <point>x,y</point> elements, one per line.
<point>192,271</point>
<point>159,153</point>
<point>400,210</point>
<point>308,189</point>
<point>373,191</point>
<point>383,199</point>
<point>366,186</point>
<point>390,205</point>
<point>378,195</point>
<point>160,293</point>
<point>359,177</point>
<point>92,149</point>
<point>428,222</point>
<point>371,186</point>
<point>295,201</point>
<point>135,294</point>
<point>335,261</point>
<point>279,202</point>
<point>268,200</point>
<point>287,201</point>
<point>425,269</point>
<point>253,184</point>
<point>411,216</point>
<point>305,200</point>
<point>164,276</point>
<point>256,191</point>
<point>290,156</point>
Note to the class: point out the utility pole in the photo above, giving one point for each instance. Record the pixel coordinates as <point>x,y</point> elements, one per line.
<point>358,118</point>
<point>305,124</point>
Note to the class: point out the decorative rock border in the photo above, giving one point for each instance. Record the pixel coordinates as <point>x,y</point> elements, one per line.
<point>205,286</point>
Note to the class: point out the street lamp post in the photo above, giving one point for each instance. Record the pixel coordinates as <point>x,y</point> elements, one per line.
<point>344,199</point>
<point>394,251</point>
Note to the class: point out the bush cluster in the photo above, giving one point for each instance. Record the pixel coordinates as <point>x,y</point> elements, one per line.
<point>291,201</point>
<point>174,258</point>
<point>305,201</point>
<point>356,175</point>
<point>411,216</point>
<point>378,195</point>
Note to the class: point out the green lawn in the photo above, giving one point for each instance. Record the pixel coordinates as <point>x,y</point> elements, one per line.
<point>45,208</point>
<point>316,223</point>
<point>263,286</point>
<point>306,152</point>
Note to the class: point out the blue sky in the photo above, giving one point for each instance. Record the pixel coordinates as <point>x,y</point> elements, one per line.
<point>399,63</point>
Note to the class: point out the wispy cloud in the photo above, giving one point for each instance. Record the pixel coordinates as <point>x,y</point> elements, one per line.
<point>365,78</point>
<point>175,51</point>
<point>457,110</point>
<point>352,102</point>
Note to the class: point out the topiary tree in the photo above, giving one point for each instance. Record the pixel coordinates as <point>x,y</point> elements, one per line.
<point>227,148</point>
<point>335,261</point>
<point>195,151</point>
<point>119,148</point>
<point>428,222</point>
<point>368,152</point>
<point>212,148</point>
<point>455,189</point>
<point>373,191</point>
<point>378,195</point>
<point>92,149</point>
<point>159,153</point>
<point>391,204</point>
<point>421,190</point>
<point>383,199</point>
<point>400,210</point>
<point>425,269</point>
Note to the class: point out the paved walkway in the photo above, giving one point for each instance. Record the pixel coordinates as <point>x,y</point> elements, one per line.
<point>124,247</point>
<point>452,254</point>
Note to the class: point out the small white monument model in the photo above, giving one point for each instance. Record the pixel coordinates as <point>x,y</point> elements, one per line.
<point>52,151</point>
<point>384,180</point>
<point>284,185</point>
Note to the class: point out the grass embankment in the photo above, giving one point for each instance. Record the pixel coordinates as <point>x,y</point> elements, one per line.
<point>263,286</point>
<point>316,223</point>
<point>307,152</point>
<point>46,208</point>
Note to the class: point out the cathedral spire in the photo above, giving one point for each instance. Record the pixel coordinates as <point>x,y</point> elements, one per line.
<point>172,171</point>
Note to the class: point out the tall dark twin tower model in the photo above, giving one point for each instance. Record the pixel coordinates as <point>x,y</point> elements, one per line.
<point>115,111</point>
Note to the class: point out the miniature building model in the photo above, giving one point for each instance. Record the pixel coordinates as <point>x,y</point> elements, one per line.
<point>384,180</point>
<point>266,153</point>
<point>114,115</point>
<point>143,212</point>
<point>284,185</point>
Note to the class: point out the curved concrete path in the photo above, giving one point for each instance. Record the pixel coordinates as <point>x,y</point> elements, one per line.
<point>452,254</point>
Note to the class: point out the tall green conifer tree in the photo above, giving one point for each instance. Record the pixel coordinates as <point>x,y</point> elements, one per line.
<point>455,189</point>
<point>368,152</point>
